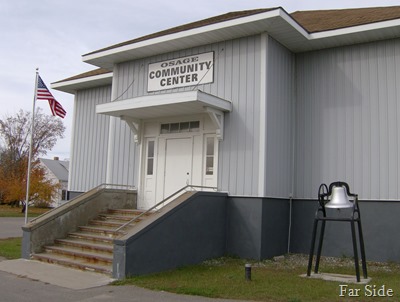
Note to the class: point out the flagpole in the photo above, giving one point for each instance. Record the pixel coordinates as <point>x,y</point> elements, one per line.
<point>28,180</point>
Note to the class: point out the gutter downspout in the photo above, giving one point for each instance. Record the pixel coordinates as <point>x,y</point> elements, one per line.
<point>293,152</point>
<point>263,115</point>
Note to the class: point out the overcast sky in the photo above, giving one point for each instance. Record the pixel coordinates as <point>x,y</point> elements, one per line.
<point>53,35</point>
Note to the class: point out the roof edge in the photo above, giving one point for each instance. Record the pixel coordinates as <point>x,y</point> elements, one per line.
<point>84,80</point>
<point>188,26</point>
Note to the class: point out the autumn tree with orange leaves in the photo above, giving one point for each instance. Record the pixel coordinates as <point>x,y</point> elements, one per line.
<point>15,133</point>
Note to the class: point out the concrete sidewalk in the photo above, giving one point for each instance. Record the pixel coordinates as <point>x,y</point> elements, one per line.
<point>54,274</point>
<point>30,281</point>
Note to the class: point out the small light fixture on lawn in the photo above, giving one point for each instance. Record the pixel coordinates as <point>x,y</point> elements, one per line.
<point>247,272</point>
<point>337,196</point>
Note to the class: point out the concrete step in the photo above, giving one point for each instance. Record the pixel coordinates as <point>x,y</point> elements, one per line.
<point>85,245</point>
<point>90,237</point>
<point>106,223</point>
<point>111,224</point>
<point>126,212</point>
<point>91,246</point>
<point>105,231</point>
<point>74,263</point>
<point>86,256</point>
<point>117,218</point>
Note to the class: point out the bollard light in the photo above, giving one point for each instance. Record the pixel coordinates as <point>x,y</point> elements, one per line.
<point>247,272</point>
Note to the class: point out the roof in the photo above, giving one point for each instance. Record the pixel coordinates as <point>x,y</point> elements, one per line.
<point>299,32</point>
<point>91,73</point>
<point>322,20</point>
<point>312,21</point>
<point>192,25</point>
<point>59,168</point>
<point>86,80</point>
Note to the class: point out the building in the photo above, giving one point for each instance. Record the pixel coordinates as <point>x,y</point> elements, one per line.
<point>263,104</point>
<point>56,170</point>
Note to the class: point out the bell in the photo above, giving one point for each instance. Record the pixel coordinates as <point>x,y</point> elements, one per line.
<point>339,199</point>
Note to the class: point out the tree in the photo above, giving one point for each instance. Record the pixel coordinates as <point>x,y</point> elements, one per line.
<point>15,133</point>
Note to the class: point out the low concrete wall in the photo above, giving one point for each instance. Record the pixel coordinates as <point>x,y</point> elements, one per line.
<point>58,222</point>
<point>183,233</point>
<point>380,223</point>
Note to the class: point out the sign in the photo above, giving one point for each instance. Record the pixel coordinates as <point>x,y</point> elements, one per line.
<point>181,72</point>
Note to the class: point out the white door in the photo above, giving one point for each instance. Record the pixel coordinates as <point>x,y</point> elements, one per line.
<point>178,164</point>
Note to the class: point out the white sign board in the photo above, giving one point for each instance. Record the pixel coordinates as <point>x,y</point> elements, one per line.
<point>181,72</point>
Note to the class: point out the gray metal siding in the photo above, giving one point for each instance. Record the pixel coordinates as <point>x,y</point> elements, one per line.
<point>236,69</point>
<point>89,140</point>
<point>125,162</point>
<point>280,119</point>
<point>347,119</point>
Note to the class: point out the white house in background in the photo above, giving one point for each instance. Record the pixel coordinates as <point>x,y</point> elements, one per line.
<point>57,172</point>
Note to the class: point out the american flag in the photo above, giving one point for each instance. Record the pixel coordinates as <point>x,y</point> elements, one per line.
<point>44,94</point>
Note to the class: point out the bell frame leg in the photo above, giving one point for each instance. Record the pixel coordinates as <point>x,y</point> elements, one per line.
<point>310,258</point>
<point>362,250</point>
<point>353,235</point>
<point>321,240</point>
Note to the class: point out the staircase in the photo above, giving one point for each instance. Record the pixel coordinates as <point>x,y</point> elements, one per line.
<point>91,246</point>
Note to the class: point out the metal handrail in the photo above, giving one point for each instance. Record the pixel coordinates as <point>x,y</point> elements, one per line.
<point>162,202</point>
<point>83,196</point>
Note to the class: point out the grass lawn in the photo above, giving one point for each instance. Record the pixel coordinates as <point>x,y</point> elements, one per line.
<point>10,248</point>
<point>8,211</point>
<point>271,280</point>
<point>278,281</point>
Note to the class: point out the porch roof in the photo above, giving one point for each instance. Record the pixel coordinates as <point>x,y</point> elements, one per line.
<point>160,105</point>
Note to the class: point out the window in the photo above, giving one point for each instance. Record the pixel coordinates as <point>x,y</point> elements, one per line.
<point>150,158</point>
<point>193,126</point>
<point>210,156</point>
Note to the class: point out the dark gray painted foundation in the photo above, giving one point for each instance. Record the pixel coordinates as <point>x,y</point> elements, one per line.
<point>207,225</point>
<point>210,225</point>
<point>257,227</point>
<point>380,223</point>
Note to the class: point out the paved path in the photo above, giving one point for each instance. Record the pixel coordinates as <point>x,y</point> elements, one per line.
<point>20,288</point>
<point>11,227</point>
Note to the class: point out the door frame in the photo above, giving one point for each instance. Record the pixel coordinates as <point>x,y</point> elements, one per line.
<point>198,141</point>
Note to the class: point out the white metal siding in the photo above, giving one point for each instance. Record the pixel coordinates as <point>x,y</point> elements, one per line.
<point>89,140</point>
<point>236,73</point>
<point>347,119</point>
<point>280,120</point>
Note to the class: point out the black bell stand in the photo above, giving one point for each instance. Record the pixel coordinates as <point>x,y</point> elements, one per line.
<point>323,195</point>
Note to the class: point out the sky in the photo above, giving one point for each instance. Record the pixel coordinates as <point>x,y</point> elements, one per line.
<point>53,35</point>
